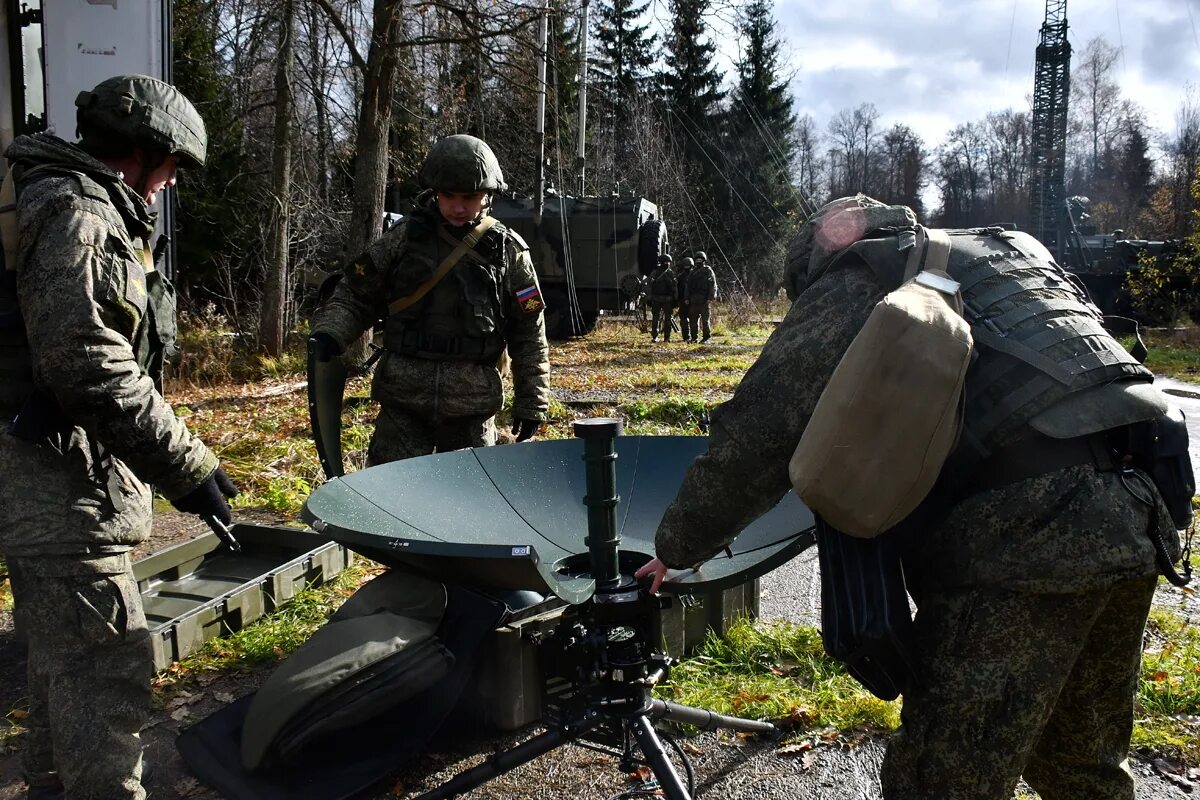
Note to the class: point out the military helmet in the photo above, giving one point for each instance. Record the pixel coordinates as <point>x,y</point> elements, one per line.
<point>144,112</point>
<point>665,259</point>
<point>462,163</point>
<point>688,262</point>
<point>701,256</point>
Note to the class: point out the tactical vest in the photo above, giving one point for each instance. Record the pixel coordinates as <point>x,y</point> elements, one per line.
<point>662,287</point>
<point>1045,362</point>
<point>154,341</point>
<point>462,318</point>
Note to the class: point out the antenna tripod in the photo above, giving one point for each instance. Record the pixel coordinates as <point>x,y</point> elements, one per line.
<point>603,659</point>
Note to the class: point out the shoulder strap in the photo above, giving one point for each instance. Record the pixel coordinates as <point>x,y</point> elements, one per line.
<point>8,221</point>
<point>461,248</point>
<point>931,251</point>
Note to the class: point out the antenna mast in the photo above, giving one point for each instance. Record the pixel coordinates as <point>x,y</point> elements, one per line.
<point>539,198</point>
<point>1051,89</point>
<point>583,80</point>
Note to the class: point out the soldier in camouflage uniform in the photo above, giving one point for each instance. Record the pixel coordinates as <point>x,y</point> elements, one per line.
<point>701,290</point>
<point>437,384</point>
<point>91,428</point>
<point>1032,595</point>
<point>681,296</point>
<point>662,299</point>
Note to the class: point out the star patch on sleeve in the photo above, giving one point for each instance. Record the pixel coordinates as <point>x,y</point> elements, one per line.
<point>530,299</point>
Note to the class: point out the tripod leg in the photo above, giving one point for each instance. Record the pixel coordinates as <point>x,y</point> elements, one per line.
<point>656,757</point>
<point>507,760</point>
<point>706,720</point>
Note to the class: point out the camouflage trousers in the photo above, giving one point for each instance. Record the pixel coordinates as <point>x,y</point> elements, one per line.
<point>685,321</point>
<point>698,316</point>
<point>661,316</point>
<point>89,671</point>
<point>401,433</point>
<point>1040,685</point>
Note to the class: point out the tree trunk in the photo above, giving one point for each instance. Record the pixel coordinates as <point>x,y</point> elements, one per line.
<point>272,328</point>
<point>371,151</point>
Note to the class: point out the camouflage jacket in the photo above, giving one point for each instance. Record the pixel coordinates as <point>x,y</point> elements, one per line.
<point>81,285</point>
<point>662,286</point>
<point>702,285</point>
<point>681,281</point>
<point>1070,530</point>
<point>493,298</point>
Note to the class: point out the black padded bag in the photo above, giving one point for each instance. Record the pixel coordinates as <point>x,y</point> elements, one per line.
<point>865,619</point>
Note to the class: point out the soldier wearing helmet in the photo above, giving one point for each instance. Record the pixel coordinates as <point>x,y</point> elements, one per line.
<point>87,324</point>
<point>681,296</point>
<point>663,293</point>
<point>701,291</point>
<point>455,288</point>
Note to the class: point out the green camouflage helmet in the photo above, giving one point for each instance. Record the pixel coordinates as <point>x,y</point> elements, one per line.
<point>145,112</point>
<point>462,163</point>
<point>665,259</point>
<point>688,262</point>
<point>701,256</point>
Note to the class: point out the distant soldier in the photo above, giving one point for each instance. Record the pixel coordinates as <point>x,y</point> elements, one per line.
<point>701,290</point>
<point>87,324</point>
<point>663,292</point>
<point>681,295</point>
<point>455,287</point>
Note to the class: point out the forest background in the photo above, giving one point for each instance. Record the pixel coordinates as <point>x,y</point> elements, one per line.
<point>320,111</point>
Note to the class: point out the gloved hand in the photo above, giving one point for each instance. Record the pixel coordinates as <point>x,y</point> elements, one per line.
<point>525,428</point>
<point>324,347</point>
<point>209,498</point>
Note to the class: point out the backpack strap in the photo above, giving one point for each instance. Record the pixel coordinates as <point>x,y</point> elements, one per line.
<point>930,252</point>
<point>461,248</point>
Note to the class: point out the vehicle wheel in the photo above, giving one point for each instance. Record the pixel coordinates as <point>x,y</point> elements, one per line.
<point>652,243</point>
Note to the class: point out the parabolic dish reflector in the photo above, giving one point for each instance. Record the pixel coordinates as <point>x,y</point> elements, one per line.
<point>512,517</point>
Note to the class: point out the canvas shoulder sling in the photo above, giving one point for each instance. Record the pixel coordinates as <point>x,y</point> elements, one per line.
<point>461,248</point>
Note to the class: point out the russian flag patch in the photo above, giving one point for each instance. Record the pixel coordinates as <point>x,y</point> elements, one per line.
<point>530,299</point>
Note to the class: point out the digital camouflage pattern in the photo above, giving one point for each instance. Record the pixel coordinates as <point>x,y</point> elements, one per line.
<point>73,504</point>
<point>90,665</point>
<point>402,434</point>
<point>461,163</point>
<point>1021,683</point>
<point>701,290</point>
<point>681,297</point>
<point>1066,539</point>
<point>662,302</point>
<point>494,300</point>
<point>82,290</point>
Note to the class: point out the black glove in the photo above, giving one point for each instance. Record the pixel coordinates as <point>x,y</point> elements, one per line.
<point>525,428</point>
<point>208,499</point>
<point>324,347</point>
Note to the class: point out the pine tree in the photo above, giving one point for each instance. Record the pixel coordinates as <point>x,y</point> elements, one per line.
<point>691,83</point>
<point>760,143</point>
<point>621,70</point>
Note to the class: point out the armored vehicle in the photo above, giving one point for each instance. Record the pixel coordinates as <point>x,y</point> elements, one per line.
<point>591,253</point>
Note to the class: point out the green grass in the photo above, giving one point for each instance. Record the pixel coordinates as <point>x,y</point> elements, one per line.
<point>1168,699</point>
<point>777,671</point>
<point>1175,354</point>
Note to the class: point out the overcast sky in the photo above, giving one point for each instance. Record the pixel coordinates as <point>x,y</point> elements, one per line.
<point>933,64</point>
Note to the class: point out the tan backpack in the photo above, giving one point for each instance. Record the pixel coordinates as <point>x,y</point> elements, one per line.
<point>892,411</point>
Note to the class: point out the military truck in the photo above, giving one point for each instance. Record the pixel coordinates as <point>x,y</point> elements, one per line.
<point>590,253</point>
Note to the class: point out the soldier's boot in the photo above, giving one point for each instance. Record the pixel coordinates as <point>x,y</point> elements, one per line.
<point>654,338</point>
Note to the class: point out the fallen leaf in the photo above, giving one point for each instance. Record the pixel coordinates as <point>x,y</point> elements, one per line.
<point>399,789</point>
<point>795,748</point>
<point>185,786</point>
<point>223,697</point>
<point>642,774</point>
<point>18,713</point>
<point>810,758</point>
<point>692,749</point>
<point>181,714</point>
<point>1159,676</point>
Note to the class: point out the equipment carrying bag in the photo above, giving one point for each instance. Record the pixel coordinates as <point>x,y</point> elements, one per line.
<point>865,619</point>
<point>891,413</point>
